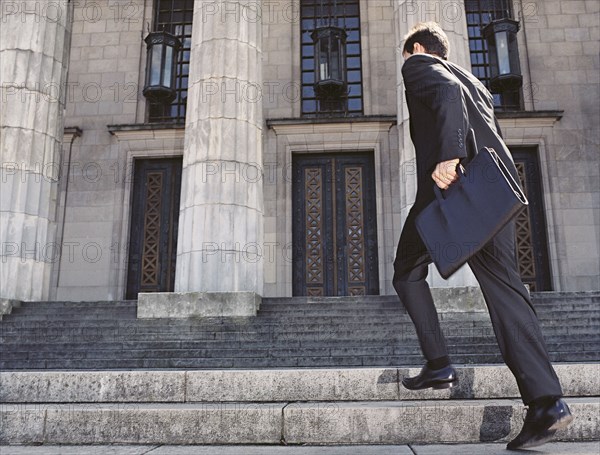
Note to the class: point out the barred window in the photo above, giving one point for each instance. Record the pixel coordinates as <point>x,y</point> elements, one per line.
<point>344,14</point>
<point>174,16</point>
<point>479,14</point>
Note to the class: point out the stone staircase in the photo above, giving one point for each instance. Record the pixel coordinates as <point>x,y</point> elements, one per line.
<point>328,406</point>
<point>304,371</point>
<point>287,332</point>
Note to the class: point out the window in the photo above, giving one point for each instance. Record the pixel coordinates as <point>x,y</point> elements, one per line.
<point>344,14</point>
<point>175,16</point>
<point>479,14</point>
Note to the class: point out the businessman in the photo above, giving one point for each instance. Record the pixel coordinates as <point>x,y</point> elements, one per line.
<point>447,105</point>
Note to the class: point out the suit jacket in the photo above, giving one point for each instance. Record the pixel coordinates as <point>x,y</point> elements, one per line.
<point>450,111</point>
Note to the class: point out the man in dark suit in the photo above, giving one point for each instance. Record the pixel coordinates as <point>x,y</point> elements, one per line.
<point>447,106</point>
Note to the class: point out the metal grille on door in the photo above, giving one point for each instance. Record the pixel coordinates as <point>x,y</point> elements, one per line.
<point>530,235</point>
<point>335,228</point>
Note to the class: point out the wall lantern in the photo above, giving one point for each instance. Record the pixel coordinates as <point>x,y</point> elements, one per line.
<point>503,51</point>
<point>330,62</point>
<point>163,49</point>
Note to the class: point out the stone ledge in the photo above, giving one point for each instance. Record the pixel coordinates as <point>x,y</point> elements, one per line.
<point>273,385</point>
<point>423,422</point>
<point>197,304</point>
<point>397,422</point>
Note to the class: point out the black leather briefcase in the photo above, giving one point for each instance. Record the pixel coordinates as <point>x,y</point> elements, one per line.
<point>463,218</point>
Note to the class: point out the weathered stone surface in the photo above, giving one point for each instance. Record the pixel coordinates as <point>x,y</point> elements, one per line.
<point>557,448</point>
<point>396,422</point>
<point>92,386</point>
<point>292,385</point>
<point>21,423</point>
<point>458,299</point>
<point>579,379</point>
<point>208,423</point>
<point>354,422</point>
<point>423,422</point>
<point>221,215</point>
<point>7,305</point>
<point>310,384</point>
<point>32,75</point>
<point>197,304</point>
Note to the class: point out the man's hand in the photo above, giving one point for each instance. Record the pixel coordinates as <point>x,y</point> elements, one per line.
<point>445,173</point>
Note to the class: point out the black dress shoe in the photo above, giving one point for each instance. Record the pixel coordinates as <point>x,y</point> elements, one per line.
<point>444,378</point>
<point>541,423</point>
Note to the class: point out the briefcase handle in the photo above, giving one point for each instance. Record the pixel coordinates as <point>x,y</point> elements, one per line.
<point>512,183</point>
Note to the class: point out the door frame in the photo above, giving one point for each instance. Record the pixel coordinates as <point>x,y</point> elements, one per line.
<point>532,139</point>
<point>134,144</point>
<point>377,137</point>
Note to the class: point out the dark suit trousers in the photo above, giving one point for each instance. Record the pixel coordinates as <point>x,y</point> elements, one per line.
<point>513,317</point>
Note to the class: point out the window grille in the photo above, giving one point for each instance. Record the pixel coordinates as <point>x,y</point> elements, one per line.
<point>344,14</point>
<point>479,14</point>
<point>175,16</point>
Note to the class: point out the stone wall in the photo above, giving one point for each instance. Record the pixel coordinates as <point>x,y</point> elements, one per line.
<point>560,40</point>
<point>107,53</point>
<point>559,51</point>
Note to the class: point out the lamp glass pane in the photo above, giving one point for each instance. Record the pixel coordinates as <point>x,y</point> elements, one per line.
<point>323,60</point>
<point>502,50</point>
<point>168,63</point>
<point>334,58</point>
<point>155,64</point>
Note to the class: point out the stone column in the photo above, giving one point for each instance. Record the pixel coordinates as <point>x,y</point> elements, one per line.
<point>34,41</point>
<point>220,238</point>
<point>451,16</point>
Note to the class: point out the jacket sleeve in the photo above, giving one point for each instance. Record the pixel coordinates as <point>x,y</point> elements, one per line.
<point>429,82</point>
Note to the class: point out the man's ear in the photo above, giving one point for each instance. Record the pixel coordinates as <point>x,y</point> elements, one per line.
<point>418,48</point>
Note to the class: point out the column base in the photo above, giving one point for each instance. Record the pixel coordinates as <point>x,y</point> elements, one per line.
<point>458,299</point>
<point>462,299</point>
<point>6,306</point>
<point>197,304</point>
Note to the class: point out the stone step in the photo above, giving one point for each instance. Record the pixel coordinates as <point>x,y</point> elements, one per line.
<point>278,318</point>
<point>259,326</point>
<point>561,296</point>
<point>247,341</point>
<point>129,316</point>
<point>118,332</point>
<point>92,351</point>
<point>395,304</point>
<point>236,353</point>
<point>273,385</point>
<point>566,300</point>
<point>103,319</point>
<point>304,361</point>
<point>353,422</point>
<point>295,356</point>
<point>408,339</point>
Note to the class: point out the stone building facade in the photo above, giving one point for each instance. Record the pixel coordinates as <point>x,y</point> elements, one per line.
<point>247,182</point>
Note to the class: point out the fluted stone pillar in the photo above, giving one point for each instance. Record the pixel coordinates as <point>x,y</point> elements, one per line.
<point>451,16</point>
<point>33,58</point>
<point>221,214</point>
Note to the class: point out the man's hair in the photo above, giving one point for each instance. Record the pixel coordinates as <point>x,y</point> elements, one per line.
<point>429,35</point>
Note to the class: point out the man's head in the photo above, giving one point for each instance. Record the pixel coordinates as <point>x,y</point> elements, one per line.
<point>426,38</point>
